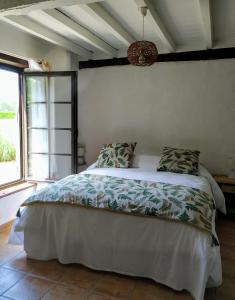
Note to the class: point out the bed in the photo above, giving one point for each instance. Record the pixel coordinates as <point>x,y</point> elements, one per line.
<point>173,253</point>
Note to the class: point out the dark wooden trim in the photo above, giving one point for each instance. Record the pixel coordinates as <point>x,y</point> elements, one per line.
<point>54,102</point>
<point>74,106</point>
<point>13,61</point>
<point>51,74</point>
<point>22,126</point>
<point>11,68</point>
<point>210,54</point>
<point>46,128</point>
<point>48,154</point>
<point>98,63</point>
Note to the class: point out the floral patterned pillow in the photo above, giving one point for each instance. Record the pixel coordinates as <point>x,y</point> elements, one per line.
<point>117,155</point>
<point>179,161</point>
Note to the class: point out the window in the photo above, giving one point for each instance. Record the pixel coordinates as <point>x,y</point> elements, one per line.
<point>51,106</point>
<point>38,136</point>
<point>10,126</point>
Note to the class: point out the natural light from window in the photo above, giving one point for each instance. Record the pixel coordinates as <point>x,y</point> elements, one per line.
<point>9,127</point>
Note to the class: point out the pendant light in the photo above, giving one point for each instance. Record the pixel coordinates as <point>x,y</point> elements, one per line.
<point>142,53</point>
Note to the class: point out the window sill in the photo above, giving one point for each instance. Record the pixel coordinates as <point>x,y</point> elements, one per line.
<point>35,180</point>
<point>16,188</point>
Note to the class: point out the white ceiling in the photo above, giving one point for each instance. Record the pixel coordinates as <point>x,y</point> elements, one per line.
<point>224,22</point>
<point>111,25</point>
<point>93,23</point>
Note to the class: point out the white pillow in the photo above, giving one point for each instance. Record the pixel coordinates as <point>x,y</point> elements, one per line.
<point>91,167</point>
<point>146,162</point>
<point>143,161</point>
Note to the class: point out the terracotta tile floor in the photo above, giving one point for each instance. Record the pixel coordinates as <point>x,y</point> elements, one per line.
<point>27,279</point>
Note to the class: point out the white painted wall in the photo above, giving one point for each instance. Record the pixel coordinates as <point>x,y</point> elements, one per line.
<point>181,104</point>
<point>60,59</point>
<point>9,205</point>
<point>16,42</point>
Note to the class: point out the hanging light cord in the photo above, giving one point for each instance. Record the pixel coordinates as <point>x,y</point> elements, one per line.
<point>143,28</point>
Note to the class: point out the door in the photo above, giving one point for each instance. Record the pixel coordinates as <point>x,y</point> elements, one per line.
<point>51,114</point>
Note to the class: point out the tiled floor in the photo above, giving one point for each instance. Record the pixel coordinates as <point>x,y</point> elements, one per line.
<point>26,279</point>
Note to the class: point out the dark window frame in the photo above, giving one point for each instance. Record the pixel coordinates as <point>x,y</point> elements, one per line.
<point>74,116</point>
<point>16,62</point>
<point>19,71</point>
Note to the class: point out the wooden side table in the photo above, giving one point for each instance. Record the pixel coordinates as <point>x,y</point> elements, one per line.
<point>227,186</point>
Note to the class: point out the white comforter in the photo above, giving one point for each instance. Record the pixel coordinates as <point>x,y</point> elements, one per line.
<point>204,182</point>
<point>174,254</point>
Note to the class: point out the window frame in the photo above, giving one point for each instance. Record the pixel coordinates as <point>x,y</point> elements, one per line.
<point>74,118</point>
<point>20,72</point>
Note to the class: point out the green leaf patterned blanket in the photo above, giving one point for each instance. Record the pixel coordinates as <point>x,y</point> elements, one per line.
<point>139,197</point>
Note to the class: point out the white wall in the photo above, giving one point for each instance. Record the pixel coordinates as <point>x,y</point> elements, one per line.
<point>9,205</point>
<point>60,59</point>
<point>181,104</point>
<point>16,42</point>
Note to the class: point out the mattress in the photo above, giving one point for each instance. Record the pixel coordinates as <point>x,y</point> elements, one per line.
<point>175,254</point>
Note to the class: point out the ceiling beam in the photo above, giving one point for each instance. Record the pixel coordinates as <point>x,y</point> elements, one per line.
<point>81,32</point>
<point>16,7</point>
<point>110,22</point>
<point>42,32</point>
<point>205,9</point>
<point>209,54</point>
<point>153,17</point>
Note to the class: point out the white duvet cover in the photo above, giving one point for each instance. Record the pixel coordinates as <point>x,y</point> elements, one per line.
<point>172,253</point>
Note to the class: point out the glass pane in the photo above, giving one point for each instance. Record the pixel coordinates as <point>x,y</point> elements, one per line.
<point>53,139</point>
<point>37,115</point>
<point>60,166</point>
<point>61,141</point>
<point>36,89</point>
<point>38,166</point>
<point>10,165</point>
<point>38,140</point>
<point>60,89</point>
<point>60,115</point>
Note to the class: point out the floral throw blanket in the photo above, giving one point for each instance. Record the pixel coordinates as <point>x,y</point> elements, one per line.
<point>139,197</point>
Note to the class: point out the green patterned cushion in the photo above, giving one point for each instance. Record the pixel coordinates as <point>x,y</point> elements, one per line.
<point>179,161</point>
<point>117,155</point>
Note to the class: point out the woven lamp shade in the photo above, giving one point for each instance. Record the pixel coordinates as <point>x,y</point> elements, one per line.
<point>142,53</point>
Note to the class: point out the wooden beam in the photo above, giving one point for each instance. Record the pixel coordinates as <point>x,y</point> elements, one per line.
<point>155,20</point>
<point>205,9</point>
<point>16,7</point>
<point>210,54</point>
<point>13,61</point>
<point>81,32</point>
<point>110,22</point>
<point>42,32</point>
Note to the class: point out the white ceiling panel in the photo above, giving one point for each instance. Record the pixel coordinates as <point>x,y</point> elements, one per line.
<point>79,14</point>
<point>183,20</point>
<point>127,13</point>
<point>49,22</point>
<point>224,21</point>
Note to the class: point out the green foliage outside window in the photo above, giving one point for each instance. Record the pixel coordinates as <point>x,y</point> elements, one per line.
<point>7,114</point>
<point>7,150</point>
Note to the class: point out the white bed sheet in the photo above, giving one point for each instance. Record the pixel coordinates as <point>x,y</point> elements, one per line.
<point>171,253</point>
